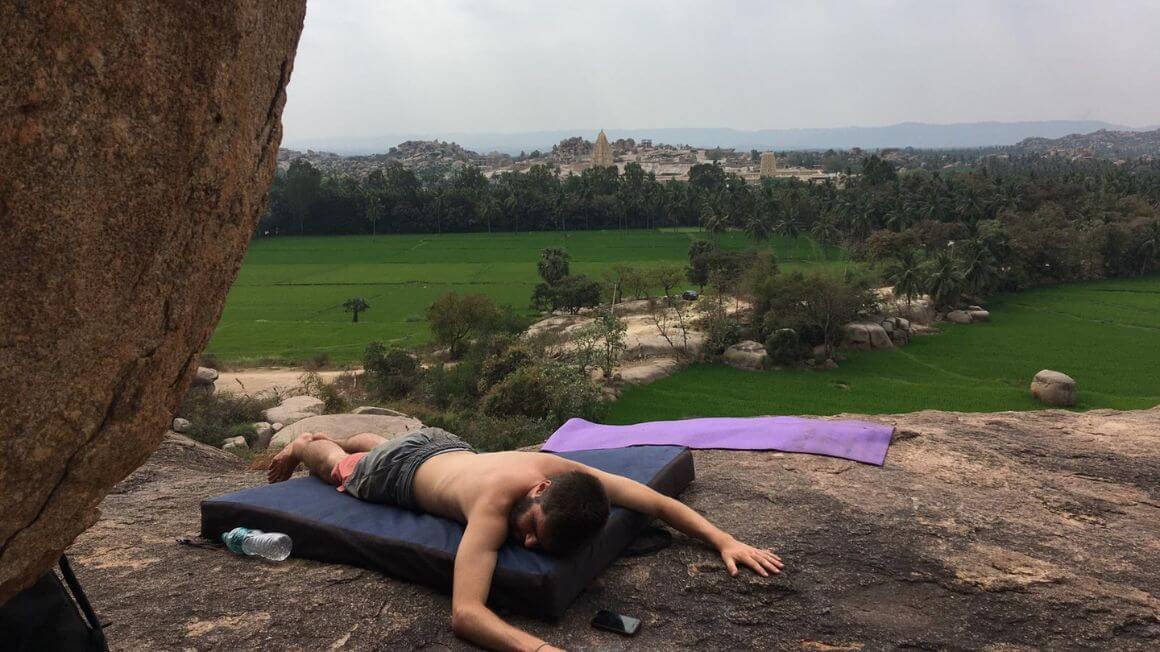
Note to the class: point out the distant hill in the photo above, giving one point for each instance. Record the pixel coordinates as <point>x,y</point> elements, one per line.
<point>907,134</point>
<point>1103,143</point>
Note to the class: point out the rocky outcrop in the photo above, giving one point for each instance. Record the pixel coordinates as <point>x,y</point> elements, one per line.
<point>137,143</point>
<point>748,355</point>
<point>1007,531</point>
<point>1054,388</point>
<point>294,409</point>
<point>341,426</point>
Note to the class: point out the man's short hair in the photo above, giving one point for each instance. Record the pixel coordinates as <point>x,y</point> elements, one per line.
<point>575,508</point>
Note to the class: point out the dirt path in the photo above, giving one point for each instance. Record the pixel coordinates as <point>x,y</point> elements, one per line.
<point>267,379</point>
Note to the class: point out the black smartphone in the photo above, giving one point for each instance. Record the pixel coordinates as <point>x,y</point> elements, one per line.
<point>614,622</point>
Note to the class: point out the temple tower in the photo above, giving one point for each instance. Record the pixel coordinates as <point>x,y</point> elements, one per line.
<point>602,152</point>
<point>768,165</point>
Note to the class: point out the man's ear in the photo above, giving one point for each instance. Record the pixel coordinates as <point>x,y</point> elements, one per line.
<point>541,487</point>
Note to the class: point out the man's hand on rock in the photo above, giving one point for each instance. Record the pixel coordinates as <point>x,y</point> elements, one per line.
<point>762,561</point>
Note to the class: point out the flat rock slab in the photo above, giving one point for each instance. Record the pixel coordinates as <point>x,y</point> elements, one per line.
<point>294,409</point>
<point>341,426</point>
<point>1007,531</point>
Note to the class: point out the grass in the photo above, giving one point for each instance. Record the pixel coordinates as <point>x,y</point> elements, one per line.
<point>286,303</point>
<point>1105,334</point>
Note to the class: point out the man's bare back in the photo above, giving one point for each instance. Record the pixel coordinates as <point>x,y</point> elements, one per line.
<point>452,485</point>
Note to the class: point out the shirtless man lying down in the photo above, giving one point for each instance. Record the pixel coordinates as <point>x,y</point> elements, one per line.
<point>540,500</point>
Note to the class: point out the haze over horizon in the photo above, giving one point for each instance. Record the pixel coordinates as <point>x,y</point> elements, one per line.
<point>369,70</point>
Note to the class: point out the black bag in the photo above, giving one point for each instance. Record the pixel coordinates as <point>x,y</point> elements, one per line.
<point>45,617</point>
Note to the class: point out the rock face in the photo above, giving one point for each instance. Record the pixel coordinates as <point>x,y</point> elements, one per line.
<point>341,426</point>
<point>1054,388</point>
<point>1008,531</point>
<point>294,409</point>
<point>136,147</point>
<point>746,355</point>
<point>868,335</point>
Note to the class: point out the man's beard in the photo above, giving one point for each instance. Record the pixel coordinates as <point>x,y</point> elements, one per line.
<point>518,510</point>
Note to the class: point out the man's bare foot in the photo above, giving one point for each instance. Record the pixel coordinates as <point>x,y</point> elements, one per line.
<point>284,464</point>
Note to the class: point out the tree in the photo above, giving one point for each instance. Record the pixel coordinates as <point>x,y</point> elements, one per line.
<point>944,280</point>
<point>355,305</point>
<point>575,292</point>
<point>905,273</point>
<point>454,318</point>
<point>698,270</point>
<point>667,277</point>
<point>817,306</point>
<point>303,182</point>
<point>611,331</point>
<point>554,264</point>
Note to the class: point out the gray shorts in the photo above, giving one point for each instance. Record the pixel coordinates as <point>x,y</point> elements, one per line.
<point>386,474</point>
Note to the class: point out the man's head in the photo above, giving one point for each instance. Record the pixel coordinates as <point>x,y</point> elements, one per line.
<point>560,512</point>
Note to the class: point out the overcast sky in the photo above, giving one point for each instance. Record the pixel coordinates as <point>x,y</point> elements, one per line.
<point>373,67</point>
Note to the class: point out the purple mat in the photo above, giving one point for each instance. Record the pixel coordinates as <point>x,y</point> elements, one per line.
<point>860,441</point>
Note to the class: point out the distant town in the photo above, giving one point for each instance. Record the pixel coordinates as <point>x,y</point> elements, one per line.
<point>570,156</point>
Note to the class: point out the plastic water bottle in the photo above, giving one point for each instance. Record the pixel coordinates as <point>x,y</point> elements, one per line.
<point>274,546</point>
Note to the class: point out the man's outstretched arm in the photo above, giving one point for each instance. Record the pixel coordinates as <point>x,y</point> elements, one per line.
<point>638,497</point>
<point>474,565</point>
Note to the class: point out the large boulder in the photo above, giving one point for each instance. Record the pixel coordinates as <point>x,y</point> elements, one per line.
<point>137,143</point>
<point>746,355</point>
<point>204,376</point>
<point>857,336</point>
<point>979,315</point>
<point>294,409</point>
<point>959,317</point>
<point>1054,388</point>
<point>341,426</point>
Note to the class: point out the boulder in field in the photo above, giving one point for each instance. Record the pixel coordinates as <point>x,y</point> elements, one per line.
<point>879,338</point>
<point>959,317</point>
<point>979,315</point>
<point>181,425</point>
<point>204,376</point>
<point>746,355</point>
<point>341,426</point>
<point>857,336</point>
<point>1054,388</point>
<point>293,409</point>
<point>900,337</point>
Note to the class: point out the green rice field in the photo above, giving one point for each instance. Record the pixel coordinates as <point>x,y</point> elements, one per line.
<point>286,303</point>
<point>1105,334</point>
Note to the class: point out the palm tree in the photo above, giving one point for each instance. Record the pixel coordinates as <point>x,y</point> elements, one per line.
<point>944,280</point>
<point>355,305</point>
<point>757,227</point>
<point>1148,249</point>
<point>905,273</point>
<point>979,268</point>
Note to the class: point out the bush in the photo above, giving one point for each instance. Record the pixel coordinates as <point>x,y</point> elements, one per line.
<point>491,433</point>
<point>500,365</point>
<point>721,332</point>
<point>784,346</point>
<point>320,360</point>
<point>214,417</point>
<point>522,392</point>
<point>390,373</point>
<point>547,390</point>
<point>335,402</point>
